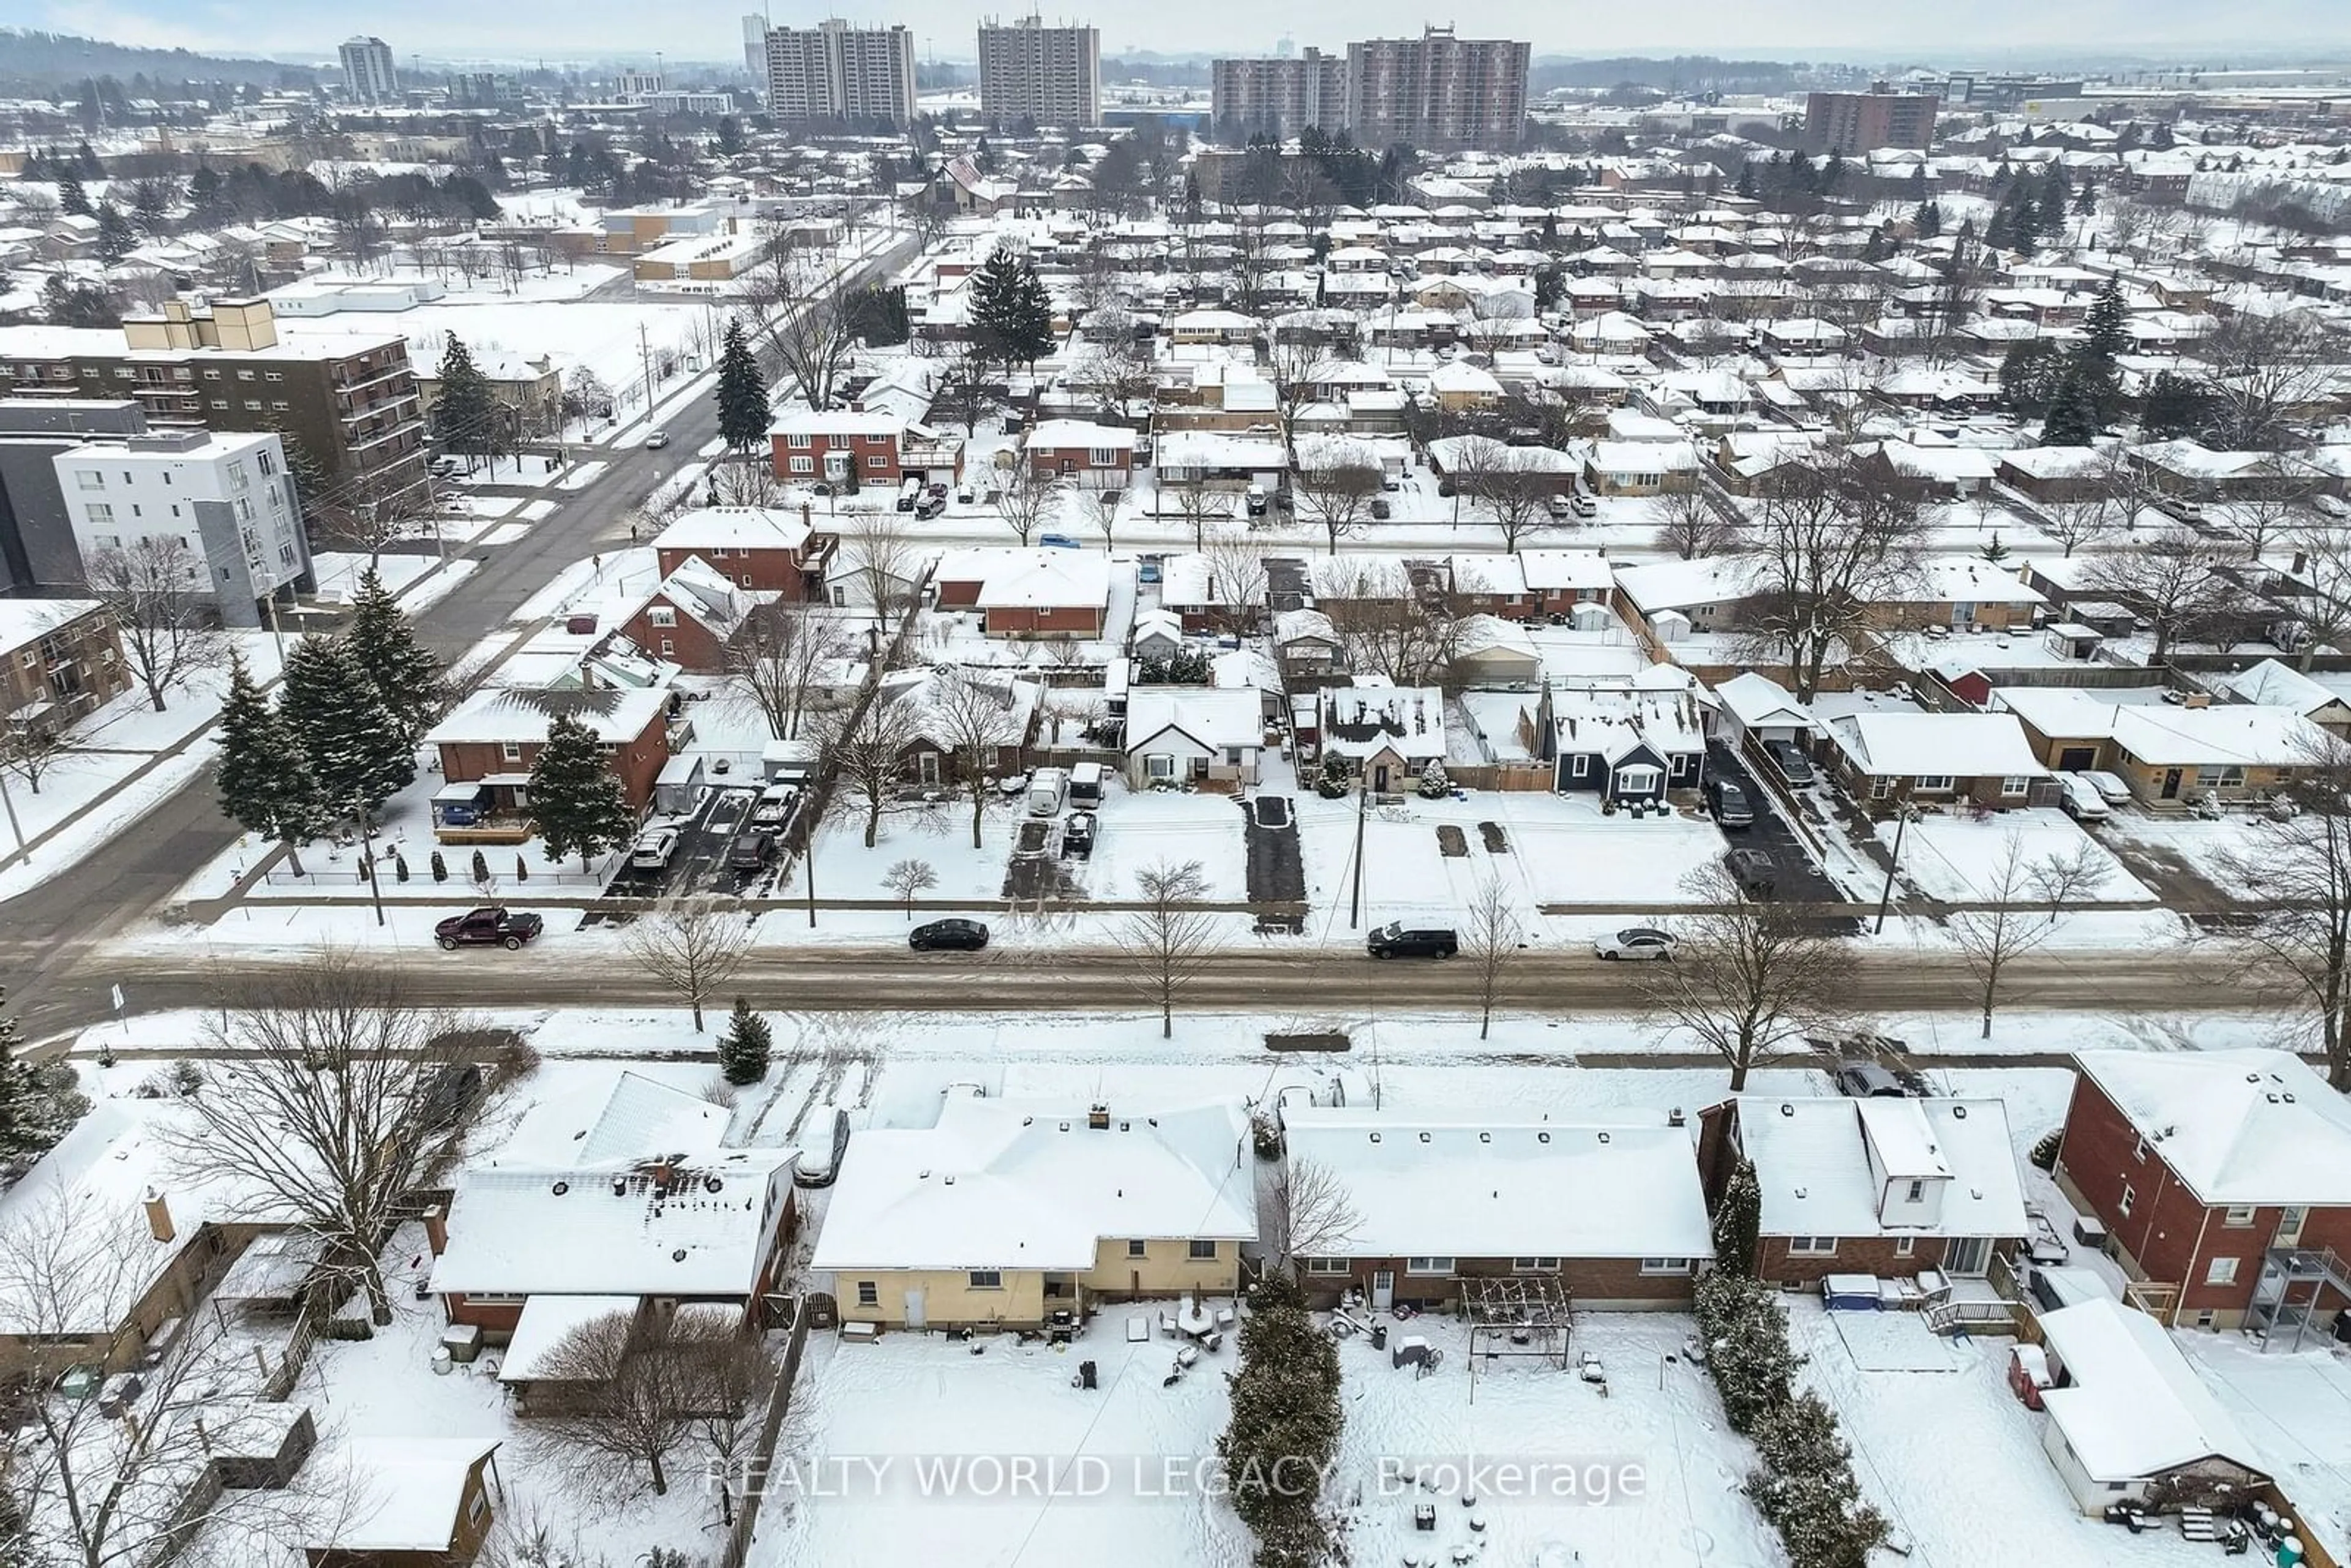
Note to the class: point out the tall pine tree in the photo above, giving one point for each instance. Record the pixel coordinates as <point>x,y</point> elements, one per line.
<point>72,200</point>
<point>745,1048</point>
<point>575,796</point>
<point>38,1105</point>
<point>1739,1221</point>
<point>356,748</point>
<point>743,412</point>
<point>1009,309</point>
<point>465,413</point>
<point>266,785</point>
<point>382,642</point>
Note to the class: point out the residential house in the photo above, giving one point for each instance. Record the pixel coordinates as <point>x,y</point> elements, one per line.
<point>852,445</point>
<point>1306,643</point>
<point>1978,757</point>
<point>2057,476</point>
<point>690,618</point>
<point>1489,650</point>
<point>1158,634</point>
<point>2166,752</point>
<point>1887,1186</point>
<point>2223,1175</point>
<point>1625,740</point>
<point>2130,1421</point>
<point>1964,592</point>
<point>1386,734</point>
<point>1182,735</point>
<point>1207,592</point>
<point>941,731</point>
<point>1755,706</point>
<point>423,1502</point>
<point>63,658</point>
<point>1609,1212</point>
<point>625,1197</point>
<point>1559,579</point>
<point>1091,456</point>
<point>1640,467</point>
<point>1460,387</point>
<point>1007,1212</point>
<point>1219,460</point>
<point>2189,469</point>
<point>1046,594</point>
<point>492,740</point>
<point>2273,685</point>
<point>769,549</point>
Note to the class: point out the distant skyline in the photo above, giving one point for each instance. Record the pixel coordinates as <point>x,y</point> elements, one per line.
<point>708,30</point>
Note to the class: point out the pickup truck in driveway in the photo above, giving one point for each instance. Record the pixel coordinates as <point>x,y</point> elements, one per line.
<point>494,925</point>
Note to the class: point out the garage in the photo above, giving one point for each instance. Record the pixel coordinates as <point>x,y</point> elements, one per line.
<point>2077,758</point>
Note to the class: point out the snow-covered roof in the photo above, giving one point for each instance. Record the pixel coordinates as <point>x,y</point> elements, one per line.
<point>1928,745</point>
<point>734,529</point>
<point>1303,625</point>
<point>2058,462</point>
<point>1971,580</point>
<point>1812,1158</point>
<point>2275,684</point>
<point>546,1322</point>
<point>409,1492</point>
<point>1682,584</point>
<point>1485,635</point>
<point>1643,457</point>
<point>495,714</point>
<point>837,421</point>
<point>2236,1127</point>
<point>1072,435</point>
<point>1759,700</point>
<point>1471,1187</point>
<point>2132,1407</point>
<point>1045,578</point>
<point>1566,570</point>
<point>25,621</point>
<point>1362,721</point>
<point>1014,1184</point>
<point>1215,718</point>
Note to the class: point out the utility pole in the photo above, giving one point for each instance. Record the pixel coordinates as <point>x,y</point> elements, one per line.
<point>367,848</point>
<point>1886,896</point>
<point>645,359</point>
<point>1355,897</point>
<point>7,802</point>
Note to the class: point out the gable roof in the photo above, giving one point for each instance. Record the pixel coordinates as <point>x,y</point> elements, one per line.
<point>410,1493</point>
<point>1757,700</point>
<point>2133,1407</point>
<point>1811,1154</point>
<point>2234,1127</point>
<point>734,529</point>
<point>1214,717</point>
<point>1922,744</point>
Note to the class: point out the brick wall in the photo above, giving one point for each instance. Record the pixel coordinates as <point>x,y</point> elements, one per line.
<point>1051,620</point>
<point>775,571</point>
<point>691,643</point>
<point>637,763</point>
<point>1879,1255</point>
<point>1588,1279</point>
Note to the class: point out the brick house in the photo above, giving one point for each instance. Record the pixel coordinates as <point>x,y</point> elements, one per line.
<point>839,445</point>
<point>941,731</point>
<point>1091,456</point>
<point>765,548</point>
<point>2234,751</point>
<point>690,617</point>
<point>1560,579</point>
<point>1885,1187</point>
<point>1887,757</point>
<point>1035,593</point>
<point>1613,1213</point>
<point>2225,1173</point>
<point>62,658</point>
<point>494,737</point>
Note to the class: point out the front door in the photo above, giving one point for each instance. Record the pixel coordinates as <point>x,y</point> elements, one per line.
<point>1967,1254</point>
<point>915,1317</point>
<point>1382,1289</point>
<point>1380,777</point>
<point>2171,783</point>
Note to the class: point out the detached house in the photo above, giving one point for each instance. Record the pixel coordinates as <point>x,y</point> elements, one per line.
<point>1978,757</point>
<point>1388,734</point>
<point>492,740</point>
<point>1008,1211</point>
<point>853,444</point>
<point>1623,740</point>
<point>1884,1187</point>
<point>690,617</point>
<point>764,548</point>
<point>1181,734</point>
<point>1093,456</point>
<point>1038,593</point>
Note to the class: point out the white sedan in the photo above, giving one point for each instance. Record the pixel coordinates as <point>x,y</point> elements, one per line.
<point>1635,942</point>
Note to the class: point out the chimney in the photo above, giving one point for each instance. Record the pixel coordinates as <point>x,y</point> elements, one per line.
<point>2301,559</point>
<point>1098,1118</point>
<point>436,1230</point>
<point>159,1215</point>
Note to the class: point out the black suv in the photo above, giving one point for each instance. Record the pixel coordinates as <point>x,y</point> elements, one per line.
<point>1792,764</point>
<point>1396,940</point>
<point>752,850</point>
<point>1732,808</point>
<point>1756,876</point>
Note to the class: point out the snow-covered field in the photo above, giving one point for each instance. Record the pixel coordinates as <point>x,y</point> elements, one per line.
<point>1956,856</point>
<point>2205,848</point>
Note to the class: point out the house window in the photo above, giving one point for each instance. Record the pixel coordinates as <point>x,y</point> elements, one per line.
<point>477,1506</point>
<point>1880,788</point>
<point>2223,777</point>
<point>869,1294</point>
<point>272,376</point>
<point>1581,768</point>
<point>2138,1151</point>
<point>510,751</point>
<point>1537,1265</point>
<point>1104,458</point>
<point>1934,784</point>
<point>1159,767</point>
<point>2238,1216</point>
<point>2204,1319</point>
<point>2221,1271</point>
<point>2130,1197</point>
<point>668,646</point>
<point>1326,1265</point>
<point>987,1279</point>
<point>494,1298</point>
<point>1918,1192</point>
<point>803,465</point>
<point>89,479</point>
<point>662,615</point>
<point>1203,1251</point>
<point>1812,1246</point>
<point>212,375</point>
<point>801,443</point>
<point>1664,1265</point>
<point>98,512</point>
<point>2014,789</point>
<point>1905,1245</point>
<point>878,460</point>
<point>1428,1265</point>
<point>1138,1248</point>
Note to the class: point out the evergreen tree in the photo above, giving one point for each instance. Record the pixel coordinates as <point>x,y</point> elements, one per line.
<point>2176,406</point>
<point>731,136</point>
<point>2161,139</point>
<point>2104,335</point>
<point>265,785</point>
<point>1739,1221</point>
<point>2085,204</point>
<point>2073,413</point>
<point>575,796</point>
<point>356,748</point>
<point>743,412</point>
<point>38,1103</point>
<point>1009,309</point>
<point>466,414</point>
<point>1746,1336</point>
<point>1745,188</point>
<point>72,200</point>
<point>1995,552</point>
<point>1927,221</point>
<point>744,1049</point>
<point>382,642</point>
<point>115,234</point>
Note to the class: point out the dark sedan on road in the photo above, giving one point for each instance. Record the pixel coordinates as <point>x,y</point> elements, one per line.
<point>961,936</point>
<point>494,926</point>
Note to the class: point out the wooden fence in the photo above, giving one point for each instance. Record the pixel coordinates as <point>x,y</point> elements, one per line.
<point>779,1402</point>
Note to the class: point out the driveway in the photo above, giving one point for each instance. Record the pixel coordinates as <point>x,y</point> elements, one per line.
<point>1798,878</point>
<point>1277,870</point>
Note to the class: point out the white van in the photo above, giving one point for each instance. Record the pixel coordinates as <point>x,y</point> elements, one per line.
<point>1086,783</point>
<point>1047,786</point>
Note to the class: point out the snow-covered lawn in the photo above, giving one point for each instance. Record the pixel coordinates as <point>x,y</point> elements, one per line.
<point>1144,828</point>
<point>913,1406</point>
<point>1956,856</point>
<point>1949,1456</point>
<point>2206,848</point>
<point>339,572</point>
<point>1660,1420</point>
<point>2296,1405</point>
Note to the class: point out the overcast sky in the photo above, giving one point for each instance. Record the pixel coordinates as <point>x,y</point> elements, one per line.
<point>556,30</point>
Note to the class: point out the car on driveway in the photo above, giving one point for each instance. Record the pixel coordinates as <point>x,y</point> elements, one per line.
<point>1078,835</point>
<point>752,850</point>
<point>491,926</point>
<point>2081,799</point>
<point>775,806</point>
<point>1753,870</point>
<point>1788,762</point>
<point>1635,942</point>
<point>1397,940</point>
<point>2109,786</point>
<point>1729,800</point>
<point>1867,1081</point>
<point>961,936</point>
<point>653,850</point>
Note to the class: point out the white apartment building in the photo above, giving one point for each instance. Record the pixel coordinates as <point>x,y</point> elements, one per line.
<point>835,71</point>
<point>368,72</point>
<point>226,496</point>
<point>1051,75</point>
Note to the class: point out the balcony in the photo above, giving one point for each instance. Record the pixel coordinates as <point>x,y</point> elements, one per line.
<point>366,379</point>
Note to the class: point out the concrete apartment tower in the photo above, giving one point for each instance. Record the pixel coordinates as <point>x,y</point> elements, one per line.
<point>369,74</point>
<point>836,71</point>
<point>1052,75</point>
<point>1437,91</point>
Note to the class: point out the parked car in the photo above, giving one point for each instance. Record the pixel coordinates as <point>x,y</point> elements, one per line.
<point>1147,569</point>
<point>964,935</point>
<point>1057,541</point>
<point>1397,940</point>
<point>1256,500</point>
<point>653,850</point>
<point>2081,799</point>
<point>775,806</point>
<point>1390,483</point>
<point>2109,786</point>
<point>751,850</point>
<point>1789,762</point>
<point>1560,506</point>
<point>657,440</point>
<point>1582,506</point>
<point>1867,1081</point>
<point>929,506</point>
<point>1381,510</point>
<point>1753,870</point>
<point>1635,942</point>
<point>1078,835</point>
<point>493,925</point>
<point>1728,799</point>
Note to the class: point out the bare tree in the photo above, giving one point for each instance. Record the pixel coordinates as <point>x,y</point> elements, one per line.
<point>875,546</point>
<point>959,389</point>
<point>1306,1212</point>
<point>1745,978</point>
<point>1493,936</point>
<point>972,719</point>
<point>732,1379</point>
<point>1198,504</point>
<point>908,877</point>
<point>1170,939</point>
<point>158,593</point>
<point>747,481</point>
<point>864,753</point>
<point>2176,579</point>
<point>1337,493</point>
<point>2269,374</point>
<point>2299,931</point>
<point>816,345</point>
<point>1238,582</point>
<point>1690,524</point>
<point>1026,499</point>
<point>692,944</point>
<point>778,656</point>
<point>2073,524</point>
<point>326,1097</point>
<point>2322,578</point>
<point>30,746</point>
<point>633,1390</point>
<point>1832,542</point>
<point>1518,488</point>
<point>2016,906</point>
<point>1101,507</point>
<point>1382,625</point>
